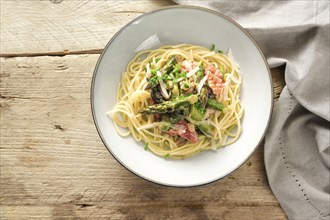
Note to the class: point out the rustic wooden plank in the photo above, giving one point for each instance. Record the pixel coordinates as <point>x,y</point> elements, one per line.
<point>53,164</point>
<point>57,26</point>
<point>108,211</point>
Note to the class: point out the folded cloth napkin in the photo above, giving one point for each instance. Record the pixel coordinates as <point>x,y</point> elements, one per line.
<point>297,148</point>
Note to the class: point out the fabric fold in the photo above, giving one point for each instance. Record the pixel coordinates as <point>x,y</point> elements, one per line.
<point>297,143</point>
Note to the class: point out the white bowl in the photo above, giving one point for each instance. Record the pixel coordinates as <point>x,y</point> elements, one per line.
<point>176,25</point>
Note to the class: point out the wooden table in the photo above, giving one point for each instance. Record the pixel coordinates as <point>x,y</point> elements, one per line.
<point>53,163</point>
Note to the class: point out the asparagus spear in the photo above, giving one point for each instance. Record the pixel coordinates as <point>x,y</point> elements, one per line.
<point>197,111</point>
<point>204,96</point>
<point>216,105</point>
<point>170,106</point>
<point>170,65</point>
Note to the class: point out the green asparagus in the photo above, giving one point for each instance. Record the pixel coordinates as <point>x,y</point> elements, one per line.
<point>200,73</point>
<point>170,65</point>
<point>170,106</point>
<point>204,96</point>
<point>214,104</point>
<point>197,111</point>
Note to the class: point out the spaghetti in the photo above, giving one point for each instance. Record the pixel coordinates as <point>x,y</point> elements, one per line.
<point>180,100</point>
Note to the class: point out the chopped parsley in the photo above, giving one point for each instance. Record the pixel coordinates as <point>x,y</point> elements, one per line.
<point>166,155</point>
<point>222,69</point>
<point>154,71</point>
<point>200,73</point>
<point>167,77</point>
<point>146,146</point>
<point>212,47</point>
<point>153,81</point>
<point>177,68</point>
<point>183,74</point>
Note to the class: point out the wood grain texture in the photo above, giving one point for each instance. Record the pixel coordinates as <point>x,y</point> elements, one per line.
<point>65,26</point>
<point>54,165</point>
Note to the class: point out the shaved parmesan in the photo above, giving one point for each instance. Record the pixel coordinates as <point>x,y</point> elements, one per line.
<point>148,72</point>
<point>180,79</point>
<point>225,93</point>
<point>193,71</point>
<point>163,87</point>
<point>200,84</point>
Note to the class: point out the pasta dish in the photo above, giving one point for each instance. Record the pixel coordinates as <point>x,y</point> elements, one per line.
<point>180,100</point>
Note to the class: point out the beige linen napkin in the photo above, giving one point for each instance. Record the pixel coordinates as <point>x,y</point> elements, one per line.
<point>297,148</point>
